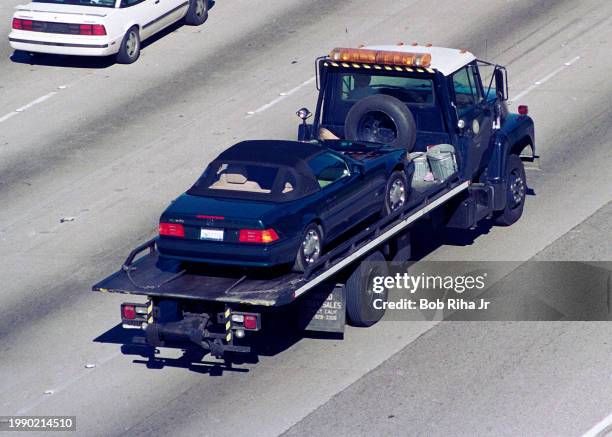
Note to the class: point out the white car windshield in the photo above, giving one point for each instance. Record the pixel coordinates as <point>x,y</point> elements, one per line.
<point>99,3</point>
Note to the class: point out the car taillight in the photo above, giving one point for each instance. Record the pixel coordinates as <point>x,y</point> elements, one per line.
<point>128,312</point>
<point>172,230</point>
<point>92,29</point>
<point>257,236</point>
<point>20,24</point>
<point>523,109</point>
<point>250,322</point>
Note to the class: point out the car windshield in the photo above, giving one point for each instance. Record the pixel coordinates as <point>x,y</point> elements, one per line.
<point>99,3</point>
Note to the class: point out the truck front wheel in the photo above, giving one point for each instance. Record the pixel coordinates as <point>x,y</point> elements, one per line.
<point>516,188</point>
<point>363,300</point>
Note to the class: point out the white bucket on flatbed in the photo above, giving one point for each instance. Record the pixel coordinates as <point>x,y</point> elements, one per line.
<point>421,166</point>
<point>442,161</point>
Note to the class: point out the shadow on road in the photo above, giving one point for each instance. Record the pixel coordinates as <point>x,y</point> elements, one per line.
<point>279,335</point>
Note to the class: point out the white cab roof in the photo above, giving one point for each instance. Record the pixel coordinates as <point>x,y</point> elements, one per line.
<point>443,59</point>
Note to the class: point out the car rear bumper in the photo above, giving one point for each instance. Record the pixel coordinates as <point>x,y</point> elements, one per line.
<point>59,44</point>
<point>231,254</point>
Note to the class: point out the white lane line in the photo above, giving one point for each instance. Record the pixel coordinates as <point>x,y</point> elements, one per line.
<point>28,106</point>
<point>545,79</point>
<point>7,116</point>
<point>36,102</point>
<point>599,428</point>
<point>48,394</point>
<point>281,97</point>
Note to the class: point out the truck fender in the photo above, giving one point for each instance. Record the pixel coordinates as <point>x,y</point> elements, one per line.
<point>516,137</point>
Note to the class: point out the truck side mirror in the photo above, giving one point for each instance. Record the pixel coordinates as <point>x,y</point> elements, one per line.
<point>304,114</point>
<point>304,131</point>
<point>501,84</point>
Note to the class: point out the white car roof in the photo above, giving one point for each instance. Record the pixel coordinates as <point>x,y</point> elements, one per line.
<point>443,59</point>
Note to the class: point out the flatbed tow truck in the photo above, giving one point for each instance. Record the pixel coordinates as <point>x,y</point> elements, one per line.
<point>218,309</point>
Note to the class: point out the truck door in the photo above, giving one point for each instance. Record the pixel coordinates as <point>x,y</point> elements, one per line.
<point>477,116</point>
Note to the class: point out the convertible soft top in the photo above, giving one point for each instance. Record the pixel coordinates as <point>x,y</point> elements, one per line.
<point>264,170</point>
<point>281,153</point>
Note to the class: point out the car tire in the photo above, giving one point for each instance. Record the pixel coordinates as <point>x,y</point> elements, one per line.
<point>516,189</point>
<point>396,193</point>
<point>129,51</point>
<point>359,292</point>
<point>197,13</point>
<point>381,119</point>
<point>311,247</point>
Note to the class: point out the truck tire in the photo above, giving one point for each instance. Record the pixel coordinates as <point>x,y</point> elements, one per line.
<point>197,13</point>
<point>381,119</point>
<point>129,51</point>
<point>310,248</point>
<point>396,192</point>
<point>516,188</point>
<point>401,248</point>
<point>360,297</point>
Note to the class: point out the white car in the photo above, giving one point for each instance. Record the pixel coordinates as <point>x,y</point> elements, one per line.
<point>98,27</point>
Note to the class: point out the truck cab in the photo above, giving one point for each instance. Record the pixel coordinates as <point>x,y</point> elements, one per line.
<point>441,96</point>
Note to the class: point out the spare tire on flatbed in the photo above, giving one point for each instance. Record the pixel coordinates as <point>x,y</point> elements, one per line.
<point>381,119</point>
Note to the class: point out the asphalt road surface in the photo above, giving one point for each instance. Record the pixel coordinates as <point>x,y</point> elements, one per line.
<point>110,145</point>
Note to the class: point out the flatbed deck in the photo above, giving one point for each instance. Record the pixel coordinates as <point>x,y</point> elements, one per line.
<point>151,276</point>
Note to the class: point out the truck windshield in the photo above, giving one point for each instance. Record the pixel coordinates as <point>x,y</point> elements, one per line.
<point>356,86</point>
<point>343,88</point>
<point>99,3</point>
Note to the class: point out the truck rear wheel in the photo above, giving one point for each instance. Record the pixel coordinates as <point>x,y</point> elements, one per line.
<point>516,188</point>
<point>360,295</point>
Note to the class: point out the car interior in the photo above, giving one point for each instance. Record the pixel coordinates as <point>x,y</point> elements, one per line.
<point>235,178</point>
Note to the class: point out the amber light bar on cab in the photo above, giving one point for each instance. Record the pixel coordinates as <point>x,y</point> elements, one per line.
<point>382,57</point>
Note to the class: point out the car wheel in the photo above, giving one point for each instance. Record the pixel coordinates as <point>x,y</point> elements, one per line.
<point>516,189</point>
<point>129,51</point>
<point>360,295</point>
<point>396,192</point>
<point>310,248</point>
<point>197,13</point>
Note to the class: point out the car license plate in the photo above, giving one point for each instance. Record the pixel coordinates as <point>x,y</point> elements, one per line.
<point>211,234</point>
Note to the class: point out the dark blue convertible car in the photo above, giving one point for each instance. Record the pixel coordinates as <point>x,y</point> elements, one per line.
<point>270,203</point>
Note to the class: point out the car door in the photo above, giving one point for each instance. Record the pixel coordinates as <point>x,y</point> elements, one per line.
<point>473,110</point>
<point>341,193</point>
<point>154,15</point>
<point>170,12</point>
<point>142,13</point>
